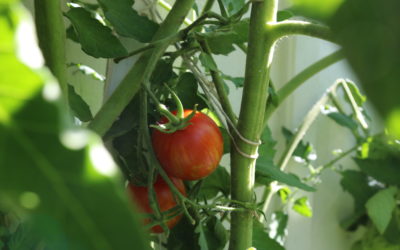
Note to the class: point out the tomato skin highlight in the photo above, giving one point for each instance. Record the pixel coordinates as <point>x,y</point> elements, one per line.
<point>165,199</point>
<point>192,153</point>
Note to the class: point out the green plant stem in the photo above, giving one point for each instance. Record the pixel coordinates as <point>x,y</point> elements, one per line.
<point>356,110</point>
<point>251,117</point>
<point>287,28</point>
<point>207,6</point>
<point>219,85</point>
<point>301,78</point>
<point>141,71</point>
<point>298,136</point>
<point>51,35</point>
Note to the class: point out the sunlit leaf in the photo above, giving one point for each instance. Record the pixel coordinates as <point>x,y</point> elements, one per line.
<point>303,207</point>
<point>380,208</point>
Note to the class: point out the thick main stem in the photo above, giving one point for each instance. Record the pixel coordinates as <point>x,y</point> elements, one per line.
<point>141,71</point>
<point>251,119</point>
<point>51,35</point>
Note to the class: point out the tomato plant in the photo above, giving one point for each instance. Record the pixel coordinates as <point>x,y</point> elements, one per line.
<point>170,54</point>
<point>164,196</point>
<point>191,153</point>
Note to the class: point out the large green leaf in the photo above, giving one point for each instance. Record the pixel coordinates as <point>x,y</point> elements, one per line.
<point>380,208</point>
<point>369,32</point>
<point>58,181</point>
<point>126,20</point>
<point>96,39</point>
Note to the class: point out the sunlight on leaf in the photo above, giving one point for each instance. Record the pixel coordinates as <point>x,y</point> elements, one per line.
<point>303,207</point>
<point>380,208</point>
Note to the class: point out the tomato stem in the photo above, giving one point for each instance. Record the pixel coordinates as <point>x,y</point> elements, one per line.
<point>250,123</point>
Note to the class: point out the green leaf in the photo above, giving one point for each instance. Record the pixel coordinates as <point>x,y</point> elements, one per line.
<point>392,232</point>
<point>372,240</point>
<point>280,176</point>
<point>162,73</point>
<point>202,237</point>
<point>302,207</point>
<point>303,150</point>
<point>187,91</point>
<point>261,239</point>
<point>355,91</point>
<point>356,183</point>
<point>220,43</point>
<point>316,9</point>
<point>127,22</point>
<point>265,166</point>
<point>71,34</point>
<point>282,219</point>
<point>208,62</point>
<point>370,37</point>
<point>218,181</point>
<point>380,208</point>
<point>183,237</point>
<point>216,234</point>
<point>384,170</point>
<point>284,194</point>
<point>79,106</point>
<point>283,15</point>
<point>237,81</point>
<point>343,120</point>
<point>233,6</point>
<point>96,39</point>
<point>58,185</point>
<point>221,39</point>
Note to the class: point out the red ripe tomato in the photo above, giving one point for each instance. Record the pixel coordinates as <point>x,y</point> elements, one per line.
<point>191,153</point>
<point>164,197</point>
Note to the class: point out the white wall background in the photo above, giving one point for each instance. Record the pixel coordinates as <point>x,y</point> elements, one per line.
<point>330,204</point>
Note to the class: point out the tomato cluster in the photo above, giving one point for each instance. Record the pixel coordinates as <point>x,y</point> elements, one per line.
<point>191,153</point>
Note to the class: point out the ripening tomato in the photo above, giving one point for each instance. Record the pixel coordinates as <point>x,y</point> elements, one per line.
<point>191,153</point>
<point>164,196</point>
